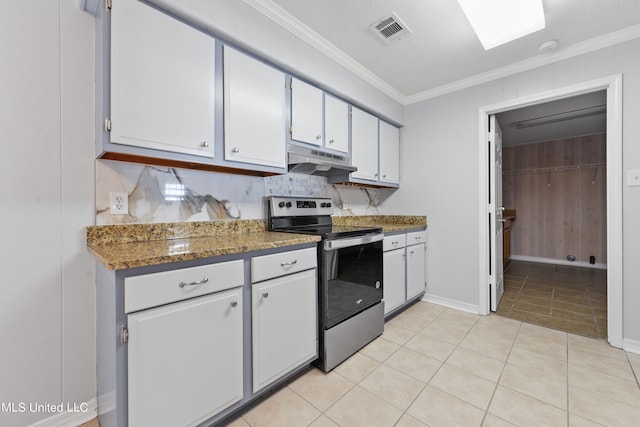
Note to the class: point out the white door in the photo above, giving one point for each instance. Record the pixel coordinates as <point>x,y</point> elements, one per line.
<point>185,360</point>
<point>495,209</point>
<point>364,144</point>
<point>284,327</point>
<point>254,106</point>
<point>389,153</point>
<point>162,81</point>
<point>416,269</point>
<point>394,293</point>
<point>306,113</point>
<point>336,124</point>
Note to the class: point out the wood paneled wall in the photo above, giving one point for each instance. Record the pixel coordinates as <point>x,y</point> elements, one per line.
<point>558,189</point>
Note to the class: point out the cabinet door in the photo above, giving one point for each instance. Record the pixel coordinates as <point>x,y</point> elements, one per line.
<point>364,145</point>
<point>416,273</point>
<point>185,360</point>
<point>284,326</point>
<point>306,113</point>
<point>389,153</point>
<point>394,279</point>
<point>162,81</point>
<point>254,119</point>
<point>336,124</point>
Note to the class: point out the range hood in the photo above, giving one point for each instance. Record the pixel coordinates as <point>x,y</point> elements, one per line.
<point>314,162</point>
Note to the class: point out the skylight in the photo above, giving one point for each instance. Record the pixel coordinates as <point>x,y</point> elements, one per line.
<point>499,21</point>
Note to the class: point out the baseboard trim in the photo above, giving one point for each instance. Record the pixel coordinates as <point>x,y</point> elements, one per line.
<point>558,261</point>
<point>631,346</point>
<point>81,413</point>
<point>463,306</point>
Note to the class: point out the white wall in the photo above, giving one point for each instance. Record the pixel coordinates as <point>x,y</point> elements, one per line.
<point>47,309</point>
<point>439,163</point>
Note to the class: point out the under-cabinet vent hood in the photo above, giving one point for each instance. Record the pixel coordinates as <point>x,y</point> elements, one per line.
<point>314,162</point>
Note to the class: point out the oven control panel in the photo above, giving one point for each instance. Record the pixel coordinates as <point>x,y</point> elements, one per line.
<point>299,206</point>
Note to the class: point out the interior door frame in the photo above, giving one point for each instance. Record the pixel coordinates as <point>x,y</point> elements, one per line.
<point>613,86</point>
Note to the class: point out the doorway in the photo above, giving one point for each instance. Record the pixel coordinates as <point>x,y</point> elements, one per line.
<point>612,87</point>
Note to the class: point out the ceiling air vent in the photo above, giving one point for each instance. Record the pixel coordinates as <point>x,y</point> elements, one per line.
<point>390,28</point>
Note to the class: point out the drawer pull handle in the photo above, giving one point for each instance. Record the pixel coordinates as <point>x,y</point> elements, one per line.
<point>234,303</point>
<point>199,282</point>
<point>418,237</point>
<point>288,264</point>
<point>265,295</point>
<point>395,243</point>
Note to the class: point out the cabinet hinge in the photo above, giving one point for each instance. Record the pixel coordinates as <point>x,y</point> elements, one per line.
<point>290,130</point>
<point>124,335</point>
<point>107,5</point>
<point>107,124</point>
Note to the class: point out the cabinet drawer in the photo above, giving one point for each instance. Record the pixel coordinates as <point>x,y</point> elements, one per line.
<point>154,289</point>
<point>416,237</point>
<point>394,242</point>
<point>270,266</point>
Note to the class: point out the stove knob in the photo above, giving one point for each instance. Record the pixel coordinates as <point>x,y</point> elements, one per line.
<point>288,204</point>
<point>281,204</point>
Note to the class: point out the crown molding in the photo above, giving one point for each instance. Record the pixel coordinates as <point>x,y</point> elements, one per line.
<point>571,51</point>
<point>302,31</point>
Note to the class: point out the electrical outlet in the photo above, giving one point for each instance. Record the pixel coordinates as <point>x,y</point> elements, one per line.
<point>633,178</point>
<point>119,203</point>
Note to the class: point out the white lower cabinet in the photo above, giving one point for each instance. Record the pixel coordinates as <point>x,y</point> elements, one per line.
<point>284,320</point>
<point>185,360</point>
<point>416,263</point>
<point>394,279</point>
<point>404,269</point>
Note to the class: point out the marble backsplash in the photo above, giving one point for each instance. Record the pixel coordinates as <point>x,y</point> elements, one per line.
<point>161,194</point>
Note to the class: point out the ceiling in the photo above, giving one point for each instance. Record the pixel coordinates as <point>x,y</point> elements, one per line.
<point>443,53</point>
<point>569,117</point>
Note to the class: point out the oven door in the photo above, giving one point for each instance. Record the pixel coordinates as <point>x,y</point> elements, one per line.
<point>350,277</point>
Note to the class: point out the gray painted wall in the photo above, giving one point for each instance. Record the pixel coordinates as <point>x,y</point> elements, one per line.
<point>439,163</point>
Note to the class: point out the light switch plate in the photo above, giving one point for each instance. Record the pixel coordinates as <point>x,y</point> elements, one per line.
<point>119,203</point>
<point>633,178</point>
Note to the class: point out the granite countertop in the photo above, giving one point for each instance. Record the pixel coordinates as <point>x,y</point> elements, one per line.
<point>388,223</point>
<point>120,247</point>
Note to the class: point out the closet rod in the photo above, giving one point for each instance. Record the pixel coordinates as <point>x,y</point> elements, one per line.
<point>556,168</point>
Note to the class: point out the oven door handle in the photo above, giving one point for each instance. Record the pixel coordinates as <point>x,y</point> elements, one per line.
<point>352,241</point>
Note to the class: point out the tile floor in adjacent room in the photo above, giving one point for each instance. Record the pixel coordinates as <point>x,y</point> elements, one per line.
<point>435,366</point>
<point>568,298</point>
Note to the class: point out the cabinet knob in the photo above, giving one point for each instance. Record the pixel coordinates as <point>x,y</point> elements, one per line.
<point>204,144</point>
<point>375,174</point>
<point>235,150</point>
<point>265,295</point>
<point>318,137</point>
<point>331,141</point>
<point>234,303</point>
<point>411,252</point>
<point>384,176</point>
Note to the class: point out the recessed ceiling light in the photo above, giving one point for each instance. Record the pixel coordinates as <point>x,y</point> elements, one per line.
<point>499,21</point>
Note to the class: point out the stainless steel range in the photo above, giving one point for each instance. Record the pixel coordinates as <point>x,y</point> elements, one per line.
<point>351,311</point>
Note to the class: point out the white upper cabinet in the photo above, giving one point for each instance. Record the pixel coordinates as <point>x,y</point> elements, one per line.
<point>254,111</point>
<point>336,124</point>
<point>364,144</point>
<point>306,112</point>
<point>162,81</point>
<point>389,153</point>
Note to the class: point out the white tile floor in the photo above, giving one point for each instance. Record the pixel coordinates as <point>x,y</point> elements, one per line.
<point>435,367</point>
